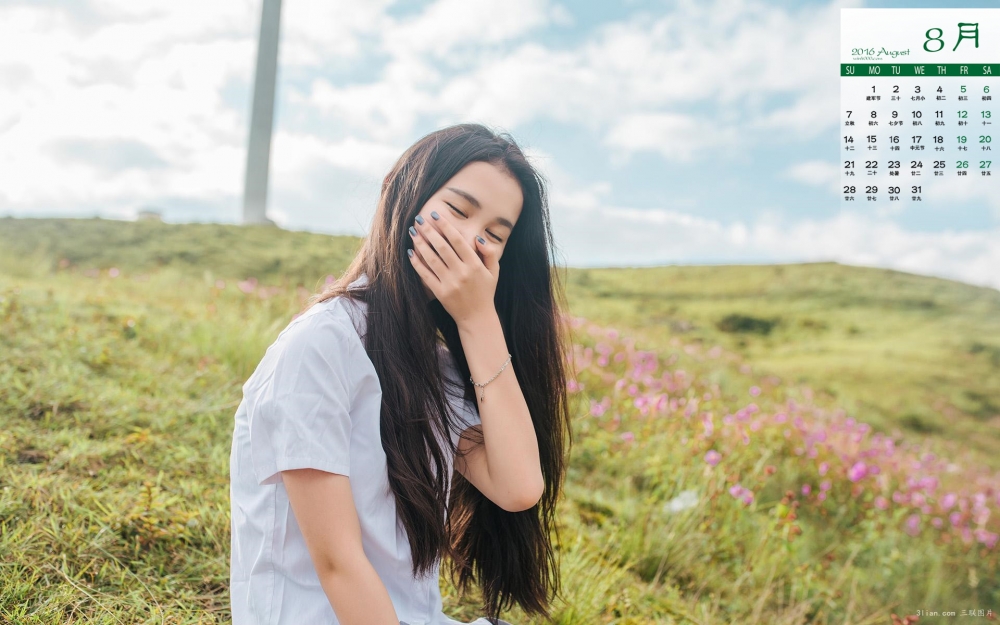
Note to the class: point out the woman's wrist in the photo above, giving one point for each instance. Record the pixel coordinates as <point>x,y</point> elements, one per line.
<point>487,321</point>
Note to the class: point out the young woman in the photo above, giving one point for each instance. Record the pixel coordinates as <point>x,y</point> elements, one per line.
<point>440,348</point>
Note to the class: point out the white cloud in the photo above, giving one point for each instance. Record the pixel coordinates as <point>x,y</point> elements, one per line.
<point>152,74</point>
<point>817,173</point>
<point>295,152</point>
<point>686,83</point>
<point>322,33</point>
<point>447,26</point>
<point>119,103</point>
<point>617,235</point>
<point>384,110</point>
<point>127,109</point>
<point>674,136</point>
<point>947,190</point>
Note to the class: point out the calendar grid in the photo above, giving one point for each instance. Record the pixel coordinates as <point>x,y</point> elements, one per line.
<point>918,130</point>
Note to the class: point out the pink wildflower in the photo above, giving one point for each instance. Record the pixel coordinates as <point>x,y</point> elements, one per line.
<point>986,537</point>
<point>661,402</point>
<point>857,471</point>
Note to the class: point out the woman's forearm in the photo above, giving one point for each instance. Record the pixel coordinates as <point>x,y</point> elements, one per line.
<point>358,596</point>
<point>508,431</point>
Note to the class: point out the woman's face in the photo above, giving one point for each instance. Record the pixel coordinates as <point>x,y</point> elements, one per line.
<point>479,200</point>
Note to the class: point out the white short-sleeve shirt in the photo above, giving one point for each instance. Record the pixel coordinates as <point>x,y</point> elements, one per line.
<point>314,402</point>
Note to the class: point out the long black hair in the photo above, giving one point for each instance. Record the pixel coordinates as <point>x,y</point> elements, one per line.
<point>509,554</point>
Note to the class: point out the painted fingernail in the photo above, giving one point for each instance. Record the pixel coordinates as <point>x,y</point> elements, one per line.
<point>409,252</point>
<point>420,219</point>
<point>435,215</point>
<point>413,231</point>
<point>481,240</point>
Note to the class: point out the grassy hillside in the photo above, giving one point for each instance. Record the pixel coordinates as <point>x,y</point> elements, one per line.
<point>734,459</point>
<point>910,355</point>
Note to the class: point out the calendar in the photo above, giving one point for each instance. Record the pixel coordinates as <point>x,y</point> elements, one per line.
<point>918,114</point>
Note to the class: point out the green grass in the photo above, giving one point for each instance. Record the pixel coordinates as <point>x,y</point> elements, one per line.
<point>908,354</point>
<point>117,396</point>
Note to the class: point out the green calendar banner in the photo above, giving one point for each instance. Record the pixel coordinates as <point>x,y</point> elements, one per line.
<point>935,70</point>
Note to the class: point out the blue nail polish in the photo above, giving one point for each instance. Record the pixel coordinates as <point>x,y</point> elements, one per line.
<point>413,231</point>
<point>435,215</point>
<point>409,252</point>
<point>481,240</point>
<point>420,219</point>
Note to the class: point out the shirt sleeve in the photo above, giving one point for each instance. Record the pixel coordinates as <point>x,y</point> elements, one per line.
<point>299,413</point>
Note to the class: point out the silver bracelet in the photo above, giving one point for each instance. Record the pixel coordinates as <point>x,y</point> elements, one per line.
<point>482,397</point>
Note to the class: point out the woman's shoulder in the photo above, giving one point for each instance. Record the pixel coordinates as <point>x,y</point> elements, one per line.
<point>345,311</point>
<point>333,320</point>
<point>321,338</point>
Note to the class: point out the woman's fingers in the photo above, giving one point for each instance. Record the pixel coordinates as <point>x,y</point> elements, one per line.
<point>444,247</point>
<point>422,269</point>
<point>452,237</point>
<point>428,254</point>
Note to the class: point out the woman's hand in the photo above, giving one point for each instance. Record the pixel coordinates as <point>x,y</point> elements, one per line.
<point>462,277</point>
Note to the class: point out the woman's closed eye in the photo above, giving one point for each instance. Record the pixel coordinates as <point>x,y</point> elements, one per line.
<point>499,240</point>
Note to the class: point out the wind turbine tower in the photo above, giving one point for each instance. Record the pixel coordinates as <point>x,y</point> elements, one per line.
<point>262,116</point>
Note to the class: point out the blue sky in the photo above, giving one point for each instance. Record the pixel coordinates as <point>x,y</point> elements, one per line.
<point>670,132</point>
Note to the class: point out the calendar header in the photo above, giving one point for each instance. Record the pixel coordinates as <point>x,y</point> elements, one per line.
<point>915,38</point>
